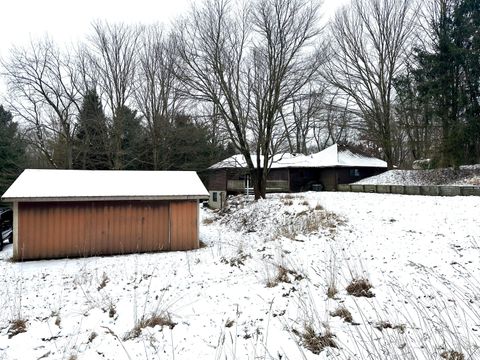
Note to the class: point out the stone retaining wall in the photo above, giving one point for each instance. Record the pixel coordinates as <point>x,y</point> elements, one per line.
<point>431,190</point>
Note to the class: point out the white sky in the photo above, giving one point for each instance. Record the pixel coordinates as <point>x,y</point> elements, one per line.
<point>67,21</point>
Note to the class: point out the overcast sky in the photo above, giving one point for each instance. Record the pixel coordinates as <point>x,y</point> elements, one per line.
<point>67,21</point>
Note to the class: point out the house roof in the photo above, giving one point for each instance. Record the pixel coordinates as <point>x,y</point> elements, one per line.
<point>329,157</point>
<point>335,157</point>
<point>238,161</point>
<point>84,185</point>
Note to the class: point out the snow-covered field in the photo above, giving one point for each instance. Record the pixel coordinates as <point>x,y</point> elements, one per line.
<point>258,290</point>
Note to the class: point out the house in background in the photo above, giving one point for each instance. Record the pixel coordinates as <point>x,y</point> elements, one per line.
<point>294,173</point>
<point>72,213</point>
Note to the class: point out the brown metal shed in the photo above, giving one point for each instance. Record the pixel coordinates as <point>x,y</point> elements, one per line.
<point>71,213</point>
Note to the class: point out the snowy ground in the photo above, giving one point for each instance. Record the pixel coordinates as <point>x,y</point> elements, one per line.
<point>421,254</point>
<point>468,175</point>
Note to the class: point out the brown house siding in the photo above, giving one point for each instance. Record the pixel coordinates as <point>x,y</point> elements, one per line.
<point>71,229</point>
<point>217,180</point>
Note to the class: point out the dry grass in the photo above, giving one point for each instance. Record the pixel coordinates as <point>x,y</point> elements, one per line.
<point>381,325</point>
<point>92,336</point>
<point>208,221</point>
<point>283,276</point>
<point>332,291</point>
<point>105,280</point>
<point>316,342</point>
<point>360,288</point>
<point>152,321</point>
<point>287,202</point>
<point>343,313</point>
<point>305,202</point>
<point>112,311</point>
<point>452,355</point>
<point>238,260</point>
<point>16,327</point>
<point>308,222</point>
<point>318,207</point>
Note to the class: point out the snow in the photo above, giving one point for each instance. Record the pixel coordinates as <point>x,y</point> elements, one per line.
<point>91,184</point>
<point>468,175</point>
<point>421,254</point>
<point>332,157</point>
<point>238,161</point>
<point>329,157</point>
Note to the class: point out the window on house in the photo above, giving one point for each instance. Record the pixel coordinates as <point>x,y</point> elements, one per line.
<point>354,173</point>
<point>214,196</point>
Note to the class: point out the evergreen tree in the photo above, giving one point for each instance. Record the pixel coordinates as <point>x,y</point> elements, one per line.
<point>131,143</point>
<point>449,75</point>
<point>192,148</point>
<point>91,140</point>
<point>12,150</point>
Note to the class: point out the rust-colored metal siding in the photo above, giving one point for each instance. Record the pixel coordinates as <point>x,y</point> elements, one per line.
<point>183,225</point>
<point>71,229</point>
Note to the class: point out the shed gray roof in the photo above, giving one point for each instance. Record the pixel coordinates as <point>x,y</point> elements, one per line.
<point>83,185</point>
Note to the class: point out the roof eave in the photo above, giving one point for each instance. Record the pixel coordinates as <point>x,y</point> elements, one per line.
<point>106,198</point>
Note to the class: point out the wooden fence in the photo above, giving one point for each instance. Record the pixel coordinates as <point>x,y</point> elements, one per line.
<point>428,190</point>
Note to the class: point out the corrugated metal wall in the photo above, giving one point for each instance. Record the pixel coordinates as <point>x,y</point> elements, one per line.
<point>70,229</point>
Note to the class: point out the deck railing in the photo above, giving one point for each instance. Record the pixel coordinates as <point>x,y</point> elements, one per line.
<point>272,185</point>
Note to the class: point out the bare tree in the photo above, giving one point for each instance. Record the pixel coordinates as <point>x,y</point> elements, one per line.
<point>157,95</point>
<point>334,122</point>
<point>370,43</point>
<point>113,53</point>
<point>41,82</point>
<point>250,62</point>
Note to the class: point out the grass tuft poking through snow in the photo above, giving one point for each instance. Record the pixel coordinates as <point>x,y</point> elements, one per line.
<point>452,355</point>
<point>314,341</point>
<point>343,313</point>
<point>16,327</point>
<point>360,288</point>
<point>283,275</point>
<point>150,321</point>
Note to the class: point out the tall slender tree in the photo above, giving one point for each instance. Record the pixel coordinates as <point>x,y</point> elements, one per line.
<point>91,138</point>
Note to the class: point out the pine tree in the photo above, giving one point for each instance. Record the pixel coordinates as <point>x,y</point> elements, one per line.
<point>91,140</point>
<point>130,142</point>
<point>12,150</point>
<point>449,75</point>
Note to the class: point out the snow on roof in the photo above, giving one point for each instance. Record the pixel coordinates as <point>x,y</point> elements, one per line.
<point>330,157</point>
<point>62,185</point>
<point>238,161</point>
<point>333,157</point>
